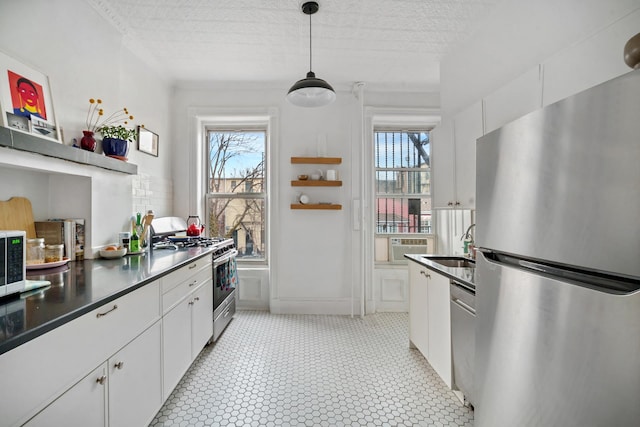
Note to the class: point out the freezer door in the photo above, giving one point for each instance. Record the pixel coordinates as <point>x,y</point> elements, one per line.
<point>562,183</point>
<point>553,353</point>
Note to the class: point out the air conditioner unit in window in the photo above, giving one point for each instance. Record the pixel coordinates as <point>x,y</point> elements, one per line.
<point>398,246</point>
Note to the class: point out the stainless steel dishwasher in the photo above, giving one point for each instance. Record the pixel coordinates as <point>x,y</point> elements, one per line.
<point>463,337</point>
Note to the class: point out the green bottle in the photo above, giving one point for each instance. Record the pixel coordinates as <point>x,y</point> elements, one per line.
<point>135,241</point>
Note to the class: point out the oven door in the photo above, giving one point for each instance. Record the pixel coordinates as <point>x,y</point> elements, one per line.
<point>225,277</point>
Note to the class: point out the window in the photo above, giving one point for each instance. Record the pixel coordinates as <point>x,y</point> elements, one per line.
<point>403,181</point>
<point>236,189</point>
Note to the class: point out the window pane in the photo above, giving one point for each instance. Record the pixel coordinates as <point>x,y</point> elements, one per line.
<point>243,220</point>
<point>402,149</point>
<point>403,215</point>
<point>403,182</point>
<point>236,162</point>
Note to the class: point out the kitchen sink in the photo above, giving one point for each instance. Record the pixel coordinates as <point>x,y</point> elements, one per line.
<point>458,262</point>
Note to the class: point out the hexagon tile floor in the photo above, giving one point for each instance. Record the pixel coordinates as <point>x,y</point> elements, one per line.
<point>312,370</point>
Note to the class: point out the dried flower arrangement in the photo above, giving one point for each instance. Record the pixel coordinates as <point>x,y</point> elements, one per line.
<point>112,126</point>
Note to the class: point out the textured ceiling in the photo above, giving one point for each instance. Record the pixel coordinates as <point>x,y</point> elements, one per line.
<point>388,43</point>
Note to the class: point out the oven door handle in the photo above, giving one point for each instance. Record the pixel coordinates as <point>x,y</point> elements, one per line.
<point>226,257</point>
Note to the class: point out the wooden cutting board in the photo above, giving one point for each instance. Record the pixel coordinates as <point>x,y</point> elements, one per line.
<point>17,214</point>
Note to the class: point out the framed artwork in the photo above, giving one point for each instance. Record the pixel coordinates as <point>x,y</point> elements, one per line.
<point>148,141</point>
<point>26,103</point>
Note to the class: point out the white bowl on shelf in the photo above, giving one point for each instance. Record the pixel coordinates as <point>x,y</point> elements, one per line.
<point>118,253</point>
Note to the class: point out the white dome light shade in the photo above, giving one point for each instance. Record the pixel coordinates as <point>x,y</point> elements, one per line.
<point>311,92</point>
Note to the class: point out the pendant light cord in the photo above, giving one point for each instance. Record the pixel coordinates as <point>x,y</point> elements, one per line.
<point>310,48</point>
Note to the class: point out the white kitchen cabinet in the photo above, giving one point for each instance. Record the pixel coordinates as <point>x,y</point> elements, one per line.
<point>202,318</point>
<point>454,159</point>
<point>439,310</point>
<point>84,404</point>
<point>187,323</point>
<point>443,173</point>
<point>418,308</point>
<point>68,353</point>
<point>430,318</point>
<point>125,390</point>
<point>135,381</point>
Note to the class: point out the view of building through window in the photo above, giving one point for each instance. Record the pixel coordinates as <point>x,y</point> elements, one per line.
<point>236,192</point>
<point>403,182</point>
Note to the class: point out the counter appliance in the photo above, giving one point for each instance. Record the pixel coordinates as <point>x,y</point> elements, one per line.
<point>463,324</point>
<point>13,261</point>
<point>558,276</point>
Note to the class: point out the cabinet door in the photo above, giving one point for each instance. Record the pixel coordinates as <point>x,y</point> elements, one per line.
<point>442,165</point>
<point>202,317</point>
<point>135,386</point>
<point>84,404</point>
<point>176,344</point>
<point>467,127</point>
<point>418,307</point>
<point>439,310</point>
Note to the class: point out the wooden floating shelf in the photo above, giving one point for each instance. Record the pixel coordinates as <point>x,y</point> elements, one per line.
<point>316,183</point>
<point>317,160</point>
<point>321,206</point>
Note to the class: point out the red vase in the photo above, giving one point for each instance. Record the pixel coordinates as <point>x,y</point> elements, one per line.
<point>88,142</point>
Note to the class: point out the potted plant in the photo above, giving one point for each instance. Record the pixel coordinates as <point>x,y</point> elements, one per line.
<point>115,140</point>
<point>116,136</point>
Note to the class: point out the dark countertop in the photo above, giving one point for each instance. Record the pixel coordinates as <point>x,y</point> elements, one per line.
<point>80,287</point>
<point>463,275</point>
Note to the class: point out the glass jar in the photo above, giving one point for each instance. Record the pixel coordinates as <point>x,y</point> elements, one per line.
<point>35,251</point>
<point>53,253</point>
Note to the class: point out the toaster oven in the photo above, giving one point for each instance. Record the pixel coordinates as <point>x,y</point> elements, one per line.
<point>13,260</point>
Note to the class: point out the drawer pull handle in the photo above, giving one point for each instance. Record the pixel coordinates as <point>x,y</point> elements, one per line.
<point>191,302</point>
<point>99,315</point>
<point>193,283</point>
<point>196,299</point>
<point>101,380</point>
<point>192,266</point>
<point>119,365</point>
<point>425,274</point>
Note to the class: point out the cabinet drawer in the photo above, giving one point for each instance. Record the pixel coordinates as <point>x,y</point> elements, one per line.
<point>180,290</point>
<point>177,277</point>
<point>40,370</point>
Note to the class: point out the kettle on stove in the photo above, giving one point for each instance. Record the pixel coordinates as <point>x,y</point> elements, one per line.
<point>194,227</point>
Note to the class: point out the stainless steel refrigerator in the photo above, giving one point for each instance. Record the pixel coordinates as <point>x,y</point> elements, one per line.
<point>558,275</point>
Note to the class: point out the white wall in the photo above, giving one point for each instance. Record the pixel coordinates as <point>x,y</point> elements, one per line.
<point>84,57</point>
<point>315,256</point>
<point>521,34</point>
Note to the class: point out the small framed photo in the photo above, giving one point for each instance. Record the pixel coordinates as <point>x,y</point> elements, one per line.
<point>26,103</point>
<point>148,141</point>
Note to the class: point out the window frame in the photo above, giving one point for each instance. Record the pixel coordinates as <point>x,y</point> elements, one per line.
<point>240,126</point>
<point>377,195</point>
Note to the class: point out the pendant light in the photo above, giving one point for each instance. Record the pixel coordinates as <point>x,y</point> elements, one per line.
<point>311,91</point>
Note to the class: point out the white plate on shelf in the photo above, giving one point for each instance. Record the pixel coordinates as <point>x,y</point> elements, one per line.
<point>47,264</point>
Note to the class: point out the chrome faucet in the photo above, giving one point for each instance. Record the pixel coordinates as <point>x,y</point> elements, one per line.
<point>467,234</point>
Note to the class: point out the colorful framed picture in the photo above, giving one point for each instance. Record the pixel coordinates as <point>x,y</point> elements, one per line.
<point>148,141</point>
<point>26,103</point>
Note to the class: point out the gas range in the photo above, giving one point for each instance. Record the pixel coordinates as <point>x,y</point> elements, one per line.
<point>170,233</point>
<point>176,242</point>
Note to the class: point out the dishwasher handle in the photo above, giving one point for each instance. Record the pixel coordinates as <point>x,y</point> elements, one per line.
<point>464,306</point>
